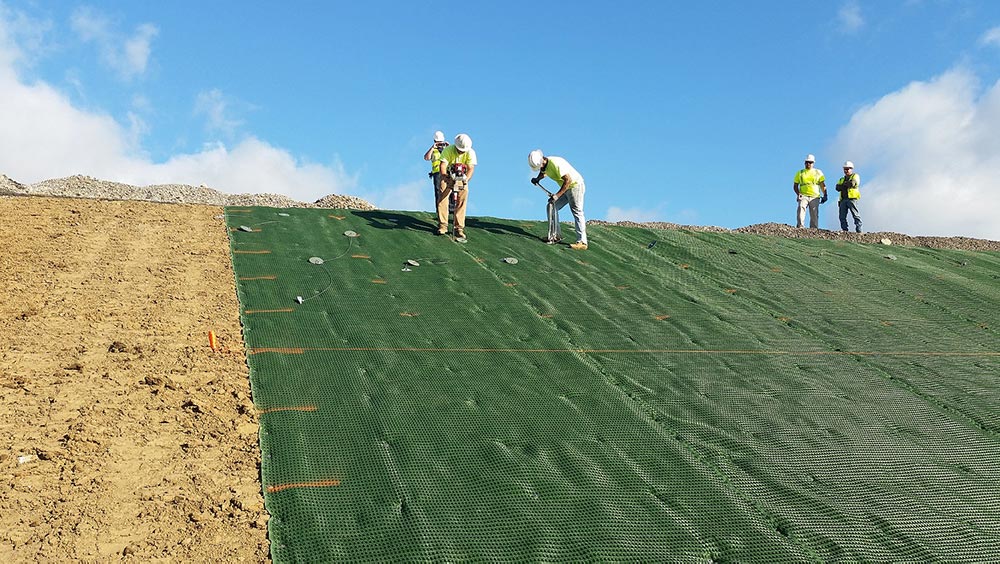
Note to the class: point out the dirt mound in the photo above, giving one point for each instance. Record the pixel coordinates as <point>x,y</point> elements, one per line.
<point>125,435</point>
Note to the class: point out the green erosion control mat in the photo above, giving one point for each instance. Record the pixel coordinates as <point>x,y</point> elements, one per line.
<point>713,397</point>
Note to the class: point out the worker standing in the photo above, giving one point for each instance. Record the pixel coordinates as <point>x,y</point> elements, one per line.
<point>810,191</point>
<point>434,156</point>
<point>571,191</point>
<point>458,163</point>
<point>849,187</point>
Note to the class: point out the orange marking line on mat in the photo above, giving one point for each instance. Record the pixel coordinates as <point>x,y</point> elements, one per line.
<point>276,350</point>
<point>259,252</point>
<point>240,211</point>
<point>282,310</point>
<point>361,256</point>
<point>319,484</point>
<point>268,277</point>
<point>628,351</point>
<point>338,217</point>
<point>379,281</point>
<point>295,408</point>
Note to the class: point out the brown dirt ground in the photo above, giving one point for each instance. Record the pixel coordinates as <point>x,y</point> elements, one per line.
<point>137,442</point>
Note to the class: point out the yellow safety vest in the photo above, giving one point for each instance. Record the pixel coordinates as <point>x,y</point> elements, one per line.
<point>808,181</point>
<point>854,192</point>
<point>435,160</point>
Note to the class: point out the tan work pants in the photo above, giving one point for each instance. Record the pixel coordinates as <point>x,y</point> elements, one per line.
<point>443,193</point>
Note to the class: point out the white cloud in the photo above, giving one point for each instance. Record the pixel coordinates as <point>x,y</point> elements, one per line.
<point>45,136</point>
<point>850,17</point>
<point>632,214</point>
<point>21,37</point>
<point>991,37</point>
<point>214,106</point>
<point>932,156</point>
<point>128,56</point>
<point>417,195</point>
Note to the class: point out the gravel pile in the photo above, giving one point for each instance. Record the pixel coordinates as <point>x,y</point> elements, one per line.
<point>783,230</point>
<point>10,186</point>
<point>88,187</point>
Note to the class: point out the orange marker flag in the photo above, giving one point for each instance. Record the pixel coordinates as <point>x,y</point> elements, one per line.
<point>211,341</point>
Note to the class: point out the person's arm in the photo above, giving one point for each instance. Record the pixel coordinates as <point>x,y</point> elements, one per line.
<point>427,155</point>
<point>566,181</point>
<point>795,188</point>
<point>822,185</point>
<point>471,169</point>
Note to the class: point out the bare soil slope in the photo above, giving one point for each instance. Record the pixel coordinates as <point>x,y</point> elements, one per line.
<point>124,437</point>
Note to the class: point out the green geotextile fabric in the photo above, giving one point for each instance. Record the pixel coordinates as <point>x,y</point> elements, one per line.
<point>712,397</point>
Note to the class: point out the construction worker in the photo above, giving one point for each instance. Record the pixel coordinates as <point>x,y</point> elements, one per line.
<point>458,163</point>
<point>434,156</point>
<point>571,191</point>
<point>849,187</point>
<point>810,191</point>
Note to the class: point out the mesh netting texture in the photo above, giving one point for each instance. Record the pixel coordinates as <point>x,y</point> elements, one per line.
<point>709,397</point>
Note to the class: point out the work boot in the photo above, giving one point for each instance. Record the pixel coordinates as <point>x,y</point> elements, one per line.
<point>579,246</point>
<point>442,230</point>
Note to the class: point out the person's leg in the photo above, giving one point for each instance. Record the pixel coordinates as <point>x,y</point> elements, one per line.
<point>843,205</point>
<point>800,211</point>
<point>855,214</point>
<point>435,179</point>
<point>463,196</point>
<point>814,213</point>
<point>442,207</point>
<point>576,206</point>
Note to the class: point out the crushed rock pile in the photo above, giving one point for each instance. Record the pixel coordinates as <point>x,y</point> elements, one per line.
<point>88,187</point>
<point>783,230</point>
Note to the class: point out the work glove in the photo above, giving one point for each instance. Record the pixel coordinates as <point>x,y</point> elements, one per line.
<point>534,181</point>
<point>823,199</point>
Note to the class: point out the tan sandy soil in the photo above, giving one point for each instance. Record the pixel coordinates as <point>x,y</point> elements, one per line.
<point>123,437</point>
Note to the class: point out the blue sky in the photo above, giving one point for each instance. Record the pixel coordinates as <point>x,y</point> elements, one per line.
<point>689,112</point>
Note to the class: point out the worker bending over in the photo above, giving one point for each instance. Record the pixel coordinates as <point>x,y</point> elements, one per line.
<point>571,191</point>
<point>458,163</point>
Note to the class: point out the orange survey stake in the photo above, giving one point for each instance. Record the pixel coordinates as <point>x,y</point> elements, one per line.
<point>211,341</point>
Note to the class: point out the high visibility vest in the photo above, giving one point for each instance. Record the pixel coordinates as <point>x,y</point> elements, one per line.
<point>854,192</point>
<point>435,160</point>
<point>453,155</point>
<point>808,181</point>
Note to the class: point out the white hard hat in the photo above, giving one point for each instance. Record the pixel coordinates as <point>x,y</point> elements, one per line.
<point>438,136</point>
<point>535,159</point>
<point>463,142</point>
<point>848,164</point>
<point>810,159</point>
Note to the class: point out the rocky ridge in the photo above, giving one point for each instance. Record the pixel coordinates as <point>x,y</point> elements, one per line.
<point>88,187</point>
<point>783,230</point>
<point>80,186</point>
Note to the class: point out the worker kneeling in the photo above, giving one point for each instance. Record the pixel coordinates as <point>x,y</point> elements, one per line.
<point>458,163</point>
<point>571,191</point>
